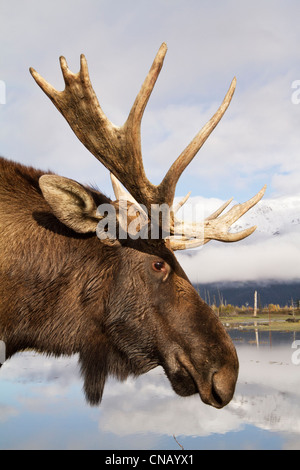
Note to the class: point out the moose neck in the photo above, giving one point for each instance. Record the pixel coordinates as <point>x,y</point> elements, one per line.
<point>64,277</point>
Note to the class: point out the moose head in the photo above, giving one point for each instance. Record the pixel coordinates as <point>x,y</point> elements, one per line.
<point>132,307</point>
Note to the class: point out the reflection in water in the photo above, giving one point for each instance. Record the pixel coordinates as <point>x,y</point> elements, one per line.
<point>42,405</point>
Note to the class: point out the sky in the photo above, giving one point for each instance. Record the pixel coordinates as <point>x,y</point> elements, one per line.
<point>209,42</point>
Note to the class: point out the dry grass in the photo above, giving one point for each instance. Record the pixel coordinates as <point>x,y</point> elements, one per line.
<point>281,320</point>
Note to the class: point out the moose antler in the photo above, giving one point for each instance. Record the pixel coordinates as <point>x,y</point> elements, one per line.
<point>190,235</point>
<point>119,148</point>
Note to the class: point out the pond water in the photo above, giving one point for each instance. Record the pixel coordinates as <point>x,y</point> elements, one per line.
<point>42,405</point>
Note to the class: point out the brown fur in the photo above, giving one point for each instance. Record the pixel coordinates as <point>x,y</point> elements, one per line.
<point>65,292</point>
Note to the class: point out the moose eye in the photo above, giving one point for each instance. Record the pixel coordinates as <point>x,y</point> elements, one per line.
<point>162,268</point>
<point>159,266</point>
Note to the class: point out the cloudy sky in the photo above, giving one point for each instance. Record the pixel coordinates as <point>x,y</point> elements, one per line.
<point>209,42</point>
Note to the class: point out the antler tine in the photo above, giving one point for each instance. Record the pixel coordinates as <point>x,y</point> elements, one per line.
<point>240,209</point>
<point>214,227</point>
<point>184,243</point>
<point>169,182</point>
<point>181,202</point>
<point>121,194</point>
<point>78,88</point>
<point>220,210</point>
<point>138,108</point>
<point>50,91</point>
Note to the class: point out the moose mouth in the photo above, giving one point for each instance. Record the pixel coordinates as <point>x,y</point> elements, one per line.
<point>215,387</point>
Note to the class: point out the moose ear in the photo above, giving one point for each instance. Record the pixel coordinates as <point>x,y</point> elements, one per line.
<point>71,203</point>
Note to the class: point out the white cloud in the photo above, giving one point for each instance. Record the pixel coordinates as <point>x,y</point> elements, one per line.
<point>276,258</point>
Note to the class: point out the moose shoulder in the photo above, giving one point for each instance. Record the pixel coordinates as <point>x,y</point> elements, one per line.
<point>124,304</point>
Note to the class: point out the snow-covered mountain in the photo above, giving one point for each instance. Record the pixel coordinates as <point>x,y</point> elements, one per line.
<point>272,252</point>
<point>276,216</point>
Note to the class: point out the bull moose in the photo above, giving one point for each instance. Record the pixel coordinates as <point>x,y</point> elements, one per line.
<point>124,305</point>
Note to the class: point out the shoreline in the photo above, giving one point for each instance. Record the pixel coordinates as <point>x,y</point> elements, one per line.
<point>261,322</point>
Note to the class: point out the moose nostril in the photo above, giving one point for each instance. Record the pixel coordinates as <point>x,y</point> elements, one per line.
<point>223,385</point>
<point>216,395</point>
